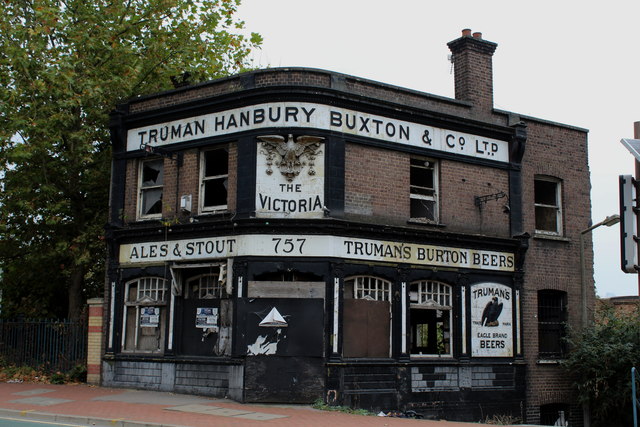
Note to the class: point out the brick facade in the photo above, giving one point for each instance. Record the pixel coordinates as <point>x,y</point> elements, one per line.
<point>484,203</point>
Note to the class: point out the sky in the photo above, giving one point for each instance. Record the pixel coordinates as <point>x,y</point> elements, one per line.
<point>571,62</point>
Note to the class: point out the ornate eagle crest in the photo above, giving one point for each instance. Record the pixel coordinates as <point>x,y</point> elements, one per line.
<point>288,154</point>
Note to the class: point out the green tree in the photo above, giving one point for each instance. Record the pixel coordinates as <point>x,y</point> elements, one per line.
<point>64,65</point>
<point>600,363</point>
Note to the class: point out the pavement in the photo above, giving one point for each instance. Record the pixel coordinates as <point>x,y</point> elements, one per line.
<point>84,405</point>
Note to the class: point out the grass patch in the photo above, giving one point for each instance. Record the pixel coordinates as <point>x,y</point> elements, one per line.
<point>319,404</point>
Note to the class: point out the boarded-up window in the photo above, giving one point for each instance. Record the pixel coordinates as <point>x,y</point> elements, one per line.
<point>367,317</point>
<point>144,316</point>
<point>207,313</point>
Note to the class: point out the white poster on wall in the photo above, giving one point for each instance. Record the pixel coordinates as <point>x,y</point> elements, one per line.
<point>149,317</point>
<point>207,317</point>
<point>290,177</point>
<point>491,320</point>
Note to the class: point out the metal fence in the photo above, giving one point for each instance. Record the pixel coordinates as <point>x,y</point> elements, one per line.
<point>51,345</point>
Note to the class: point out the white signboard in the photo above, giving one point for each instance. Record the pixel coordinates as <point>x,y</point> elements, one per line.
<point>207,318</point>
<point>491,320</point>
<point>290,177</point>
<point>317,116</point>
<point>149,317</point>
<point>314,246</point>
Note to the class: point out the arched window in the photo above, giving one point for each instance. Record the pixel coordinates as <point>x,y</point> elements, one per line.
<point>367,317</point>
<point>143,322</point>
<point>431,317</point>
<point>206,286</point>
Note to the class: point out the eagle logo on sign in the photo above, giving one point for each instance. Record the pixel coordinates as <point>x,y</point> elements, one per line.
<point>491,313</point>
<point>289,154</point>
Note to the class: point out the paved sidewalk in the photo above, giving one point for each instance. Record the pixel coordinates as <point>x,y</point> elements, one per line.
<point>96,406</point>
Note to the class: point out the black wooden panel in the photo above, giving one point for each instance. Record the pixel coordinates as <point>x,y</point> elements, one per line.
<point>303,335</point>
<point>195,341</point>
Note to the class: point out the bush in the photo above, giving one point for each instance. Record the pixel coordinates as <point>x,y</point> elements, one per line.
<point>600,363</point>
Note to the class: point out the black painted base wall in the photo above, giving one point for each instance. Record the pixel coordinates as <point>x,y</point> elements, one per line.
<point>283,379</point>
<point>469,393</point>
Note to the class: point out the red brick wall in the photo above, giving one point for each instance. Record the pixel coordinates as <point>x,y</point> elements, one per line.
<point>460,183</point>
<point>131,191</point>
<point>554,264</point>
<point>188,183</point>
<point>376,184</point>
<point>377,190</point>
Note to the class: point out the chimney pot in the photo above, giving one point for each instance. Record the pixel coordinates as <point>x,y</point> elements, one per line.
<point>466,32</point>
<point>477,35</point>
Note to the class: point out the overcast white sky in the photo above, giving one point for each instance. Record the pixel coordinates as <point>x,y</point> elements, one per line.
<point>573,62</point>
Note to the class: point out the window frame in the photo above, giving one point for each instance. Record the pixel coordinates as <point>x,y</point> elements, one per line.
<point>558,206</point>
<point>213,289</point>
<point>204,179</point>
<point>142,189</point>
<point>146,288</point>
<point>433,166</point>
<point>552,325</point>
<point>379,290</point>
<point>439,299</point>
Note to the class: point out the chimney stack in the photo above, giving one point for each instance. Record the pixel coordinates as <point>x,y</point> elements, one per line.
<point>473,70</point>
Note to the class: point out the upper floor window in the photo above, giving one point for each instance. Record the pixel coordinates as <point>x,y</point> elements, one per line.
<point>548,205</point>
<point>214,179</point>
<point>552,318</point>
<point>423,190</point>
<point>430,314</point>
<point>150,186</point>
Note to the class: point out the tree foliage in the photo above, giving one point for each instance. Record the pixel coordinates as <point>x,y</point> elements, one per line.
<point>64,65</point>
<point>600,364</point>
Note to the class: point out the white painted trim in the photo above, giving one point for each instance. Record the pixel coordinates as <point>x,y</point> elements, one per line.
<point>171,320</point>
<point>124,316</point>
<point>518,340</point>
<point>112,312</point>
<point>403,347</point>
<point>336,312</point>
<point>463,319</point>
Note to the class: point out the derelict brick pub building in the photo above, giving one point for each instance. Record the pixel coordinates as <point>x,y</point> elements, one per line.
<point>291,234</point>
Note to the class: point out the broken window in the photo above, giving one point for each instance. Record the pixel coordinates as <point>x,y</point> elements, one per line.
<point>423,190</point>
<point>430,314</point>
<point>367,317</point>
<point>151,182</point>
<point>552,319</point>
<point>214,179</point>
<point>548,207</point>
<point>143,324</point>
<point>207,286</point>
